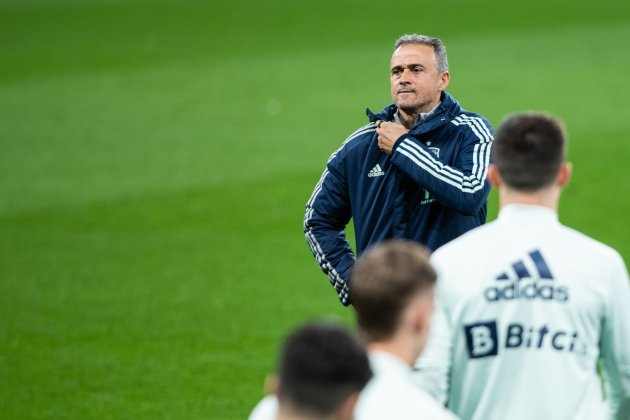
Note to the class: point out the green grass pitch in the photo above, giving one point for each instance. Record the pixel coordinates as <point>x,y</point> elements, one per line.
<point>156,156</point>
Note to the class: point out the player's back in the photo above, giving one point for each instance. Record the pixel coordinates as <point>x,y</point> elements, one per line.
<point>525,300</point>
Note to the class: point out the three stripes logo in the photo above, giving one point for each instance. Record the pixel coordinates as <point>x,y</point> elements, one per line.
<point>376,171</point>
<point>527,279</point>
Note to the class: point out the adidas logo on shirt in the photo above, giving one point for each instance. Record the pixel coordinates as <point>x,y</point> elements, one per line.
<point>527,279</point>
<point>376,171</point>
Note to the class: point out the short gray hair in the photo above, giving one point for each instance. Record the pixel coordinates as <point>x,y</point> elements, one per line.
<point>438,47</point>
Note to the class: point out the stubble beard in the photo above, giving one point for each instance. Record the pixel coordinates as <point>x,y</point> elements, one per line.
<point>415,109</point>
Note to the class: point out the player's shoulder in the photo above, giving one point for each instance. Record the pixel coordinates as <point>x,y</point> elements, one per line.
<point>465,119</point>
<point>431,409</point>
<point>476,124</point>
<point>580,243</point>
<point>468,244</point>
<point>359,137</point>
<point>464,114</point>
<point>266,409</point>
<point>354,143</point>
<point>390,398</point>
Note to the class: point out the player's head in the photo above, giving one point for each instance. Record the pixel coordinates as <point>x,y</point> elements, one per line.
<point>529,150</point>
<point>321,370</point>
<point>392,291</point>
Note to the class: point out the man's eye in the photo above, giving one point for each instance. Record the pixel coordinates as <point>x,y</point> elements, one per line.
<point>417,69</point>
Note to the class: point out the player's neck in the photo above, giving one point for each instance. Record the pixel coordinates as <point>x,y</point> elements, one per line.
<point>284,414</point>
<point>402,350</point>
<point>545,198</point>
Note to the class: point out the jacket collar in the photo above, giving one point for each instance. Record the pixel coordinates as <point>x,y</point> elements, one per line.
<point>445,112</point>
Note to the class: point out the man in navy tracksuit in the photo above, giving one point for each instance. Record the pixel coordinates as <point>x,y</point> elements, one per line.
<point>416,171</point>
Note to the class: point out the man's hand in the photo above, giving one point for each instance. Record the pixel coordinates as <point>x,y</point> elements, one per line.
<point>388,133</point>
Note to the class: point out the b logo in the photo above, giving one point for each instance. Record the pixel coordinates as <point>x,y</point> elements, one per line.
<point>481,339</point>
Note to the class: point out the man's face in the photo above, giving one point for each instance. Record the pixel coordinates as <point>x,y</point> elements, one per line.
<point>415,83</point>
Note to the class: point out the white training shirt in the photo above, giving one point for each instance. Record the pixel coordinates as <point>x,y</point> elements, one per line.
<point>392,394</point>
<point>266,409</point>
<point>525,307</point>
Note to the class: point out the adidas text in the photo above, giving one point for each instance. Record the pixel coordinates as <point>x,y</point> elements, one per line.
<point>527,290</point>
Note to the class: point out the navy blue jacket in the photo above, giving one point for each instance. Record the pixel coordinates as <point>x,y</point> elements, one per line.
<point>431,189</point>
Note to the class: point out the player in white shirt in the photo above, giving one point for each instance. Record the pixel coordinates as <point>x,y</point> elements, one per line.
<point>321,370</point>
<point>526,307</point>
<point>392,289</point>
<point>392,293</point>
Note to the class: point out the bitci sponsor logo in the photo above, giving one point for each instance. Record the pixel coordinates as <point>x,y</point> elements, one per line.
<point>485,339</point>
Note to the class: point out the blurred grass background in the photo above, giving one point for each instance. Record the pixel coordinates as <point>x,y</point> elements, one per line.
<point>156,156</point>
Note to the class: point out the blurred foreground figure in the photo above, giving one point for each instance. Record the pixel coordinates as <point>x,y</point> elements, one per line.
<point>526,307</point>
<point>392,292</point>
<point>321,371</point>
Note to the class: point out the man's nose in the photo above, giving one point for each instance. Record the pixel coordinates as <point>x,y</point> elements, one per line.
<point>404,76</point>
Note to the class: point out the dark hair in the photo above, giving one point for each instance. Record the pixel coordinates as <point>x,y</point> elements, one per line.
<point>528,150</point>
<point>383,281</point>
<point>438,47</point>
<point>320,366</point>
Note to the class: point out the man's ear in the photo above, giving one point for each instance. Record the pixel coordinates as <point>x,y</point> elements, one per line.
<point>493,176</point>
<point>346,411</point>
<point>271,385</point>
<point>417,315</point>
<point>564,174</point>
<point>445,77</point>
